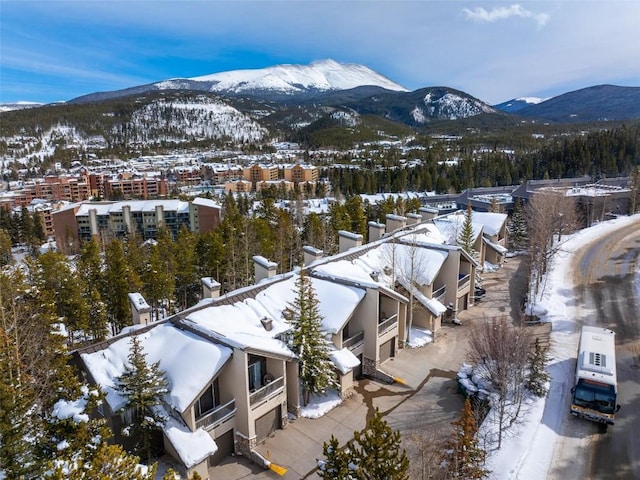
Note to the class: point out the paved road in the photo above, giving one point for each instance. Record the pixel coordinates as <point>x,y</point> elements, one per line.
<point>606,293</point>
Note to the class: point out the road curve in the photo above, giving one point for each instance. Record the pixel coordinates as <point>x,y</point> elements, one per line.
<point>607,293</point>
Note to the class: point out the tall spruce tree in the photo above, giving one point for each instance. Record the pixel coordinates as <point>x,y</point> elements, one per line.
<point>538,377</point>
<point>308,342</point>
<point>518,226</point>
<point>143,386</point>
<point>466,237</point>
<point>467,458</point>
<point>378,453</point>
<point>116,287</point>
<point>19,423</point>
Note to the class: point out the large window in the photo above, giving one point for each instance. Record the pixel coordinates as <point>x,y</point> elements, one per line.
<point>257,369</point>
<point>209,400</point>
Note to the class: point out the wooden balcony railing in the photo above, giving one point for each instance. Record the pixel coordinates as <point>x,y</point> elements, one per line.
<point>271,388</point>
<point>387,324</point>
<point>217,416</point>
<point>354,341</point>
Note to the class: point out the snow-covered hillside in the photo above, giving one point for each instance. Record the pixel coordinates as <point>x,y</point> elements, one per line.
<point>198,119</point>
<point>323,75</point>
<point>448,106</point>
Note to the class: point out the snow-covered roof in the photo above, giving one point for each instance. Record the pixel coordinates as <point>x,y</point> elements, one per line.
<point>138,302</point>
<point>106,208</point>
<point>431,304</point>
<point>344,360</point>
<point>242,323</point>
<point>491,221</point>
<point>368,269</point>
<point>191,447</point>
<point>451,226</point>
<point>178,351</point>
<point>205,202</point>
<point>498,248</point>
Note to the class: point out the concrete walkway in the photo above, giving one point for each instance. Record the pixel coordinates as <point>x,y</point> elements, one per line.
<point>429,400</point>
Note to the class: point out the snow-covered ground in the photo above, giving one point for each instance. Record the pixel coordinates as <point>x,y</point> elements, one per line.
<point>527,450</point>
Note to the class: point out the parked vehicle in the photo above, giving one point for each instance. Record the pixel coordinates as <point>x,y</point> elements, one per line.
<point>595,389</point>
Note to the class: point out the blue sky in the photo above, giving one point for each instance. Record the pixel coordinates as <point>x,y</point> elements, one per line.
<point>56,50</point>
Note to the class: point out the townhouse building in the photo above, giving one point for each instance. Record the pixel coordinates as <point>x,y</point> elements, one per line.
<point>232,376</point>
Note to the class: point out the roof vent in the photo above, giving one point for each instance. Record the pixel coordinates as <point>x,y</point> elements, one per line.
<point>267,323</point>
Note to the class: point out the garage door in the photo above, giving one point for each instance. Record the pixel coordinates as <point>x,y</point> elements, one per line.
<point>267,424</point>
<point>386,350</point>
<point>225,448</point>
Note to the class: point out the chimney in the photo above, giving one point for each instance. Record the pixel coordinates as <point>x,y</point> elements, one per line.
<point>128,220</point>
<point>210,288</point>
<point>348,240</point>
<point>394,222</point>
<point>311,254</point>
<point>413,218</point>
<point>428,213</point>
<point>376,231</point>
<point>263,268</point>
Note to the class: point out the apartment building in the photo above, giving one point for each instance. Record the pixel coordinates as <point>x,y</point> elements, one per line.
<point>81,221</point>
<point>301,173</point>
<point>51,188</point>
<point>258,172</point>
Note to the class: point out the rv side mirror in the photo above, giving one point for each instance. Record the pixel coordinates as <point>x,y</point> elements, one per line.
<point>617,407</point>
<point>573,390</point>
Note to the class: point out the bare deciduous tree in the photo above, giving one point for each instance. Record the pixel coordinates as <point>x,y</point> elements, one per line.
<point>500,353</point>
<point>548,213</point>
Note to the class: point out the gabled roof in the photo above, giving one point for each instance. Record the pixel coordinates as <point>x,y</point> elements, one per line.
<point>450,227</point>
<point>241,323</point>
<point>178,351</point>
<point>492,222</point>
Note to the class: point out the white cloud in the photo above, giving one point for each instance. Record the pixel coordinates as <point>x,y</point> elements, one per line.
<point>479,14</point>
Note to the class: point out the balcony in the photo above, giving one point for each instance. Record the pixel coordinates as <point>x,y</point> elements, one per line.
<point>269,390</point>
<point>352,342</point>
<point>387,324</point>
<point>463,281</point>
<point>216,417</point>
<point>439,293</point>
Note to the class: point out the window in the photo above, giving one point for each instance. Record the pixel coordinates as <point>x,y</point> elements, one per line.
<point>257,368</point>
<point>208,400</point>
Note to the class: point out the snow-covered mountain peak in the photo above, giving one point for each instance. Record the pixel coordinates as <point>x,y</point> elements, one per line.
<point>531,100</point>
<point>324,75</point>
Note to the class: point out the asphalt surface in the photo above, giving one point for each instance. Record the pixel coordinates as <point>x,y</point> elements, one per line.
<point>606,294</point>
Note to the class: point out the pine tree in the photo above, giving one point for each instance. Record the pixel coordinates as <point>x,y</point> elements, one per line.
<point>518,226</point>
<point>339,463</point>
<point>466,237</point>
<point>467,458</point>
<point>116,286</point>
<point>308,342</point>
<point>378,454</point>
<point>186,280</point>
<point>143,386</point>
<point>538,376</point>
<point>19,425</point>
<point>110,462</point>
